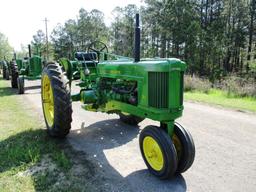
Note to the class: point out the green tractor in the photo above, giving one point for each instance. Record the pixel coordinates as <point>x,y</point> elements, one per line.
<point>27,68</point>
<point>134,89</point>
<point>72,66</point>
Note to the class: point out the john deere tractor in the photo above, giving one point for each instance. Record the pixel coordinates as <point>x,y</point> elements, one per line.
<point>134,89</point>
<point>72,66</point>
<point>27,68</point>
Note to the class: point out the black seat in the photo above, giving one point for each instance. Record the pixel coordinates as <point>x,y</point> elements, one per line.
<point>81,56</point>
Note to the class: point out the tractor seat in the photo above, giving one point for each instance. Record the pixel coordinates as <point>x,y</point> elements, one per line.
<point>81,56</point>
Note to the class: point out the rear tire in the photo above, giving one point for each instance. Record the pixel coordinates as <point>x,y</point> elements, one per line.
<point>56,100</point>
<point>130,119</point>
<point>15,74</point>
<point>21,84</point>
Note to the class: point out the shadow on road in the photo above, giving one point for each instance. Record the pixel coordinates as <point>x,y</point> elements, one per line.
<point>33,87</point>
<point>103,136</point>
<point>7,91</point>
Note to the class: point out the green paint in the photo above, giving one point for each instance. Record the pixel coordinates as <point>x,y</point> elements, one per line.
<point>30,67</point>
<point>159,87</point>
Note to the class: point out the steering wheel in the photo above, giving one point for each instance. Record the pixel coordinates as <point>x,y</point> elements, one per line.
<point>98,46</point>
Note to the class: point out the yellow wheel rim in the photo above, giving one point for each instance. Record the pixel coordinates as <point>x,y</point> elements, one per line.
<point>48,102</point>
<point>153,153</point>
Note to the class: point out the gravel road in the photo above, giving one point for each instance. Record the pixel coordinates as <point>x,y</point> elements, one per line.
<point>225,148</point>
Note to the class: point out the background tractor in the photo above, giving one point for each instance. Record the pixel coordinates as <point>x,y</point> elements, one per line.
<point>134,89</point>
<point>27,68</point>
<point>73,67</point>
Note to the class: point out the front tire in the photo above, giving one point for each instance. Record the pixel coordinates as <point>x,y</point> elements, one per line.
<point>185,148</point>
<point>56,100</point>
<point>158,152</point>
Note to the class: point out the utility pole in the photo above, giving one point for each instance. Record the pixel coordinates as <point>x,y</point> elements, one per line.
<point>46,31</point>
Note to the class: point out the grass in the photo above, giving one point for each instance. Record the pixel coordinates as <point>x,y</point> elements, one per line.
<point>222,98</point>
<point>29,159</point>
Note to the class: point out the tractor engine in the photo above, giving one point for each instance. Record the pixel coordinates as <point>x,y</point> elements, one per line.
<point>119,90</point>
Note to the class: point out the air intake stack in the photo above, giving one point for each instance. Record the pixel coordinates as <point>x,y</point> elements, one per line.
<point>137,39</point>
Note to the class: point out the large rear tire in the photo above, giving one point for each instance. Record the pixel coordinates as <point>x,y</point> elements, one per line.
<point>56,100</point>
<point>15,74</point>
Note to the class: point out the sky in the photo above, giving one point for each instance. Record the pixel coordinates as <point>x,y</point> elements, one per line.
<point>21,19</point>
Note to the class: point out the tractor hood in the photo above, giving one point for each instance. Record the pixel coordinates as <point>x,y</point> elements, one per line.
<point>130,68</point>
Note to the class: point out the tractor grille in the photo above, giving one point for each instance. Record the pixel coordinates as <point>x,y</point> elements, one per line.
<point>158,89</point>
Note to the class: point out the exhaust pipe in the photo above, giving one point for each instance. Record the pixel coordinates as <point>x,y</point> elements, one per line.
<point>137,39</point>
<point>29,51</point>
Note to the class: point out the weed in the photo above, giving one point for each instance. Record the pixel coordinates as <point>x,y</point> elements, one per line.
<point>193,83</point>
<point>62,160</point>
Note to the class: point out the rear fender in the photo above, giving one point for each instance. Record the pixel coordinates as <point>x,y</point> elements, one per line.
<point>66,64</point>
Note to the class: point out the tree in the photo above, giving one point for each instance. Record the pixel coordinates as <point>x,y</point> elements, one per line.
<point>6,51</point>
<point>251,32</point>
<point>38,43</point>
<point>214,37</point>
<point>76,35</point>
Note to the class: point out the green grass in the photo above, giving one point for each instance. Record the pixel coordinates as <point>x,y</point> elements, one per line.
<point>218,97</point>
<point>24,146</point>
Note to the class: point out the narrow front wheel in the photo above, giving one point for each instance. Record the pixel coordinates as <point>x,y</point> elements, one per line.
<point>185,148</point>
<point>158,152</point>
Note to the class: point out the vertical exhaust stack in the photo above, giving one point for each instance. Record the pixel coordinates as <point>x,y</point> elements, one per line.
<point>137,39</point>
<point>29,51</point>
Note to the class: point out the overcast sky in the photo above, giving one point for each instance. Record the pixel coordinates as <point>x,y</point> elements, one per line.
<point>20,19</point>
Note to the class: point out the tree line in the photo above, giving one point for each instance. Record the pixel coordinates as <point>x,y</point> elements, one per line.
<point>214,37</point>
